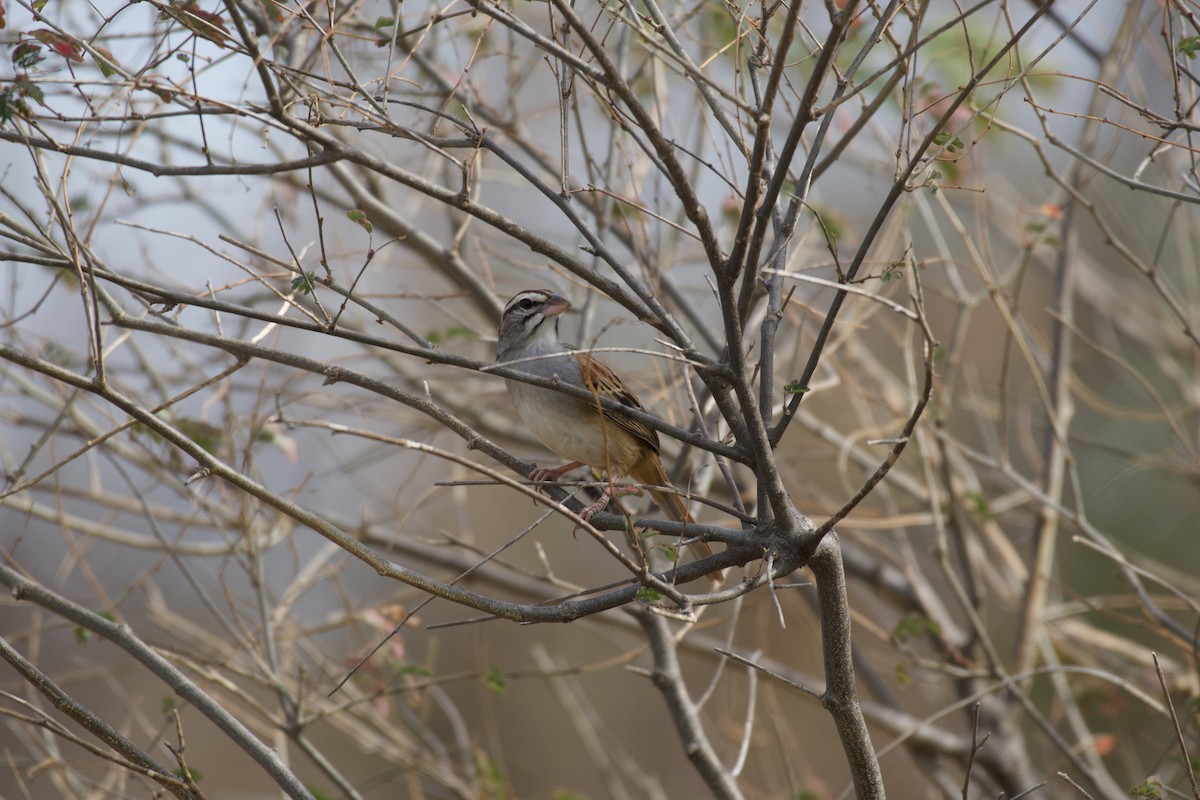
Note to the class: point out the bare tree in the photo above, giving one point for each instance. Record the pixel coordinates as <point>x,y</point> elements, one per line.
<point>908,291</point>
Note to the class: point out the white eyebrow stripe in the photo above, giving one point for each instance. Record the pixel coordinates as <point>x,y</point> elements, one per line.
<point>531,294</point>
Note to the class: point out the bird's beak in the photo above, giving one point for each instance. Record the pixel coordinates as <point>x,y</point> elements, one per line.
<point>555,305</point>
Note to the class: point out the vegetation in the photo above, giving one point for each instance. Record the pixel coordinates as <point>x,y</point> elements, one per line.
<point>907,289</point>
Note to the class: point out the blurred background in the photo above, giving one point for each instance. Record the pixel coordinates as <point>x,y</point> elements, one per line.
<point>227,203</point>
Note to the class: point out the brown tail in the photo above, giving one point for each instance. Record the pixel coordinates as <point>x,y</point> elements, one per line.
<point>650,471</point>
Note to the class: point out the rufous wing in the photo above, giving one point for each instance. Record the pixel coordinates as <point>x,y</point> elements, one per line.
<point>604,383</point>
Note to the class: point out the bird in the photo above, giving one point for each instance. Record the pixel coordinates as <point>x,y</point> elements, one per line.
<point>581,431</point>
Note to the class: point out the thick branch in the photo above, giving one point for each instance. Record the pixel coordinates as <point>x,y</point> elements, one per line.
<point>840,697</point>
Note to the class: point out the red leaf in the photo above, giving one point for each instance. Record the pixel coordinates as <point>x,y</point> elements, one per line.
<point>271,8</point>
<point>67,50</point>
<point>205,24</point>
<point>105,69</point>
<point>60,43</point>
<point>150,83</point>
<point>26,54</point>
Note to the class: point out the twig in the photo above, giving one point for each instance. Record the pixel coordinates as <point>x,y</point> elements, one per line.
<point>1185,759</point>
<point>976,746</point>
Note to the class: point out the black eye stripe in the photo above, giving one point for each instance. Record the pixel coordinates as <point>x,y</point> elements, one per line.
<point>526,301</point>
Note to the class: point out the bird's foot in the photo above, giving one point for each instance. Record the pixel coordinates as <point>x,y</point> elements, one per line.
<point>543,475</point>
<point>608,494</point>
<point>596,507</point>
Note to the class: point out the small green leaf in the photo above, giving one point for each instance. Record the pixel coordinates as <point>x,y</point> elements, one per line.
<point>412,669</point>
<point>83,635</point>
<point>566,794</point>
<point>1189,46</point>
<point>384,22</point>
<point>979,504</point>
<point>494,679</point>
<point>9,103</point>
<point>932,183</point>
<point>648,594</point>
<point>670,551</point>
<point>1150,790</point>
<point>835,226</point>
<point>303,283</point>
<point>104,64</point>
<point>794,387</point>
<point>893,271</point>
<point>30,91</point>
<point>914,625</point>
<point>456,332</point>
<point>168,704</point>
<point>205,434</point>
<point>194,774</point>
<point>491,777</point>
<point>359,217</point>
<point>951,143</point>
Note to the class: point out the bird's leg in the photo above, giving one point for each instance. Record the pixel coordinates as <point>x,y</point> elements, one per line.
<point>596,507</point>
<point>608,494</point>
<point>540,475</point>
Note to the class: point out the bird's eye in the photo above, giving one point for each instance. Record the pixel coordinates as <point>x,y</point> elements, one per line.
<point>526,304</point>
